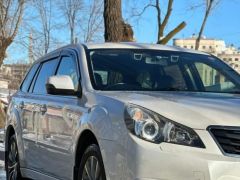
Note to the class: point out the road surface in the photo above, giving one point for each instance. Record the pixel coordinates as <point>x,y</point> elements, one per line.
<point>2,172</point>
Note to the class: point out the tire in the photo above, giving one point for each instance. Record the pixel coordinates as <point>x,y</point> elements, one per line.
<point>12,165</point>
<point>91,165</point>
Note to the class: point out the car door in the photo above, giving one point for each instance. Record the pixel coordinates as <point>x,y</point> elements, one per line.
<point>29,125</point>
<point>34,105</point>
<point>56,126</point>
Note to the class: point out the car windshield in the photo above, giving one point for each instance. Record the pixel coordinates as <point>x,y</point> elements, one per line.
<point>155,70</point>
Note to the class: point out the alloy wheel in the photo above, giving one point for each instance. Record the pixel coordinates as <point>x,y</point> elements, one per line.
<point>92,169</point>
<point>13,161</point>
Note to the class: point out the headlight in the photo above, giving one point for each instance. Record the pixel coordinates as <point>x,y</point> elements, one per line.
<point>150,126</point>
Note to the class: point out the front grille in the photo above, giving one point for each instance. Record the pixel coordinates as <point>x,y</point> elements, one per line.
<point>227,138</point>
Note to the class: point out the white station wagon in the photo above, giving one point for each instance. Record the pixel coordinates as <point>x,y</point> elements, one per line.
<point>125,111</point>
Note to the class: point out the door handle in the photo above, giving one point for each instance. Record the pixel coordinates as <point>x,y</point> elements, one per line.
<point>21,105</point>
<point>43,109</point>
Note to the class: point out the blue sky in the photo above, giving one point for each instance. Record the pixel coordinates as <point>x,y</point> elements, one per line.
<point>223,23</point>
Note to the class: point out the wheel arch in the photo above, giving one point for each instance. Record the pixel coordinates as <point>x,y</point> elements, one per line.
<point>9,132</point>
<point>86,138</point>
<point>14,126</point>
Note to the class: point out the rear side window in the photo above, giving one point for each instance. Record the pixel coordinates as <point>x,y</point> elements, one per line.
<point>27,81</point>
<point>47,69</point>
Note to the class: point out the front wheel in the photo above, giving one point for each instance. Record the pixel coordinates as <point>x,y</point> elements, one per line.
<point>91,166</point>
<point>12,160</point>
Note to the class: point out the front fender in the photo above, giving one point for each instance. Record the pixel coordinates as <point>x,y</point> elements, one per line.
<point>100,122</point>
<point>97,120</point>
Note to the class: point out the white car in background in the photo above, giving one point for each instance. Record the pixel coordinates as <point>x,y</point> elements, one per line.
<point>125,111</point>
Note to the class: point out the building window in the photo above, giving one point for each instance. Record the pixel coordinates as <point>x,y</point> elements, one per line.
<point>191,47</point>
<point>210,47</point>
<point>230,59</point>
<point>185,46</point>
<point>236,59</point>
<point>204,47</point>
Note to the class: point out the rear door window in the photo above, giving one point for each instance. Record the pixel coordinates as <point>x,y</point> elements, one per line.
<point>48,69</point>
<point>28,79</point>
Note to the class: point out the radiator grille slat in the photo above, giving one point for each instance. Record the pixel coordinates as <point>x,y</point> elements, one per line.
<point>228,139</point>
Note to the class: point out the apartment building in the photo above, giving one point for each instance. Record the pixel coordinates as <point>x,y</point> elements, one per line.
<point>229,54</point>
<point>11,75</point>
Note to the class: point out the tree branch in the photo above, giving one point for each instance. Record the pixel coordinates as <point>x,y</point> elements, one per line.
<point>208,10</point>
<point>172,33</point>
<point>143,10</point>
<point>165,21</point>
<point>157,6</point>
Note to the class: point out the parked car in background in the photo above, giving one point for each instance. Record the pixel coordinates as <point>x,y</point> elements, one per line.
<point>125,111</point>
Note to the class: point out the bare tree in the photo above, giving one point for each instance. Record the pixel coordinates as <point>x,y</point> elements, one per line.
<point>94,21</point>
<point>162,22</point>
<point>209,7</point>
<point>44,9</point>
<point>71,10</point>
<point>116,29</point>
<point>162,25</point>
<point>40,21</point>
<point>11,12</point>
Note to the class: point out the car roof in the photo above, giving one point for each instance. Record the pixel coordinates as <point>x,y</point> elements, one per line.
<point>133,45</point>
<point>121,45</point>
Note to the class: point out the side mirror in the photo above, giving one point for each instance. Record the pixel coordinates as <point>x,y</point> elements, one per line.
<point>60,85</point>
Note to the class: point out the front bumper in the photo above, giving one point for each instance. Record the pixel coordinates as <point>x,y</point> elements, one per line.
<point>141,160</point>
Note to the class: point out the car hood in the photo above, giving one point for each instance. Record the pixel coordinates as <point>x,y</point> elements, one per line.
<point>195,110</point>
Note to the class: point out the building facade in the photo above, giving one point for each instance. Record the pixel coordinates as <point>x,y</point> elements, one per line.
<point>232,57</point>
<point>11,75</point>
<point>229,54</point>
<point>210,76</point>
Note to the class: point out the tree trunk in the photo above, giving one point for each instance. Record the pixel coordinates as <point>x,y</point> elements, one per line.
<point>4,43</point>
<point>2,55</point>
<point>113,20</point>
<point>72,35</point>
<point>10,19</point>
